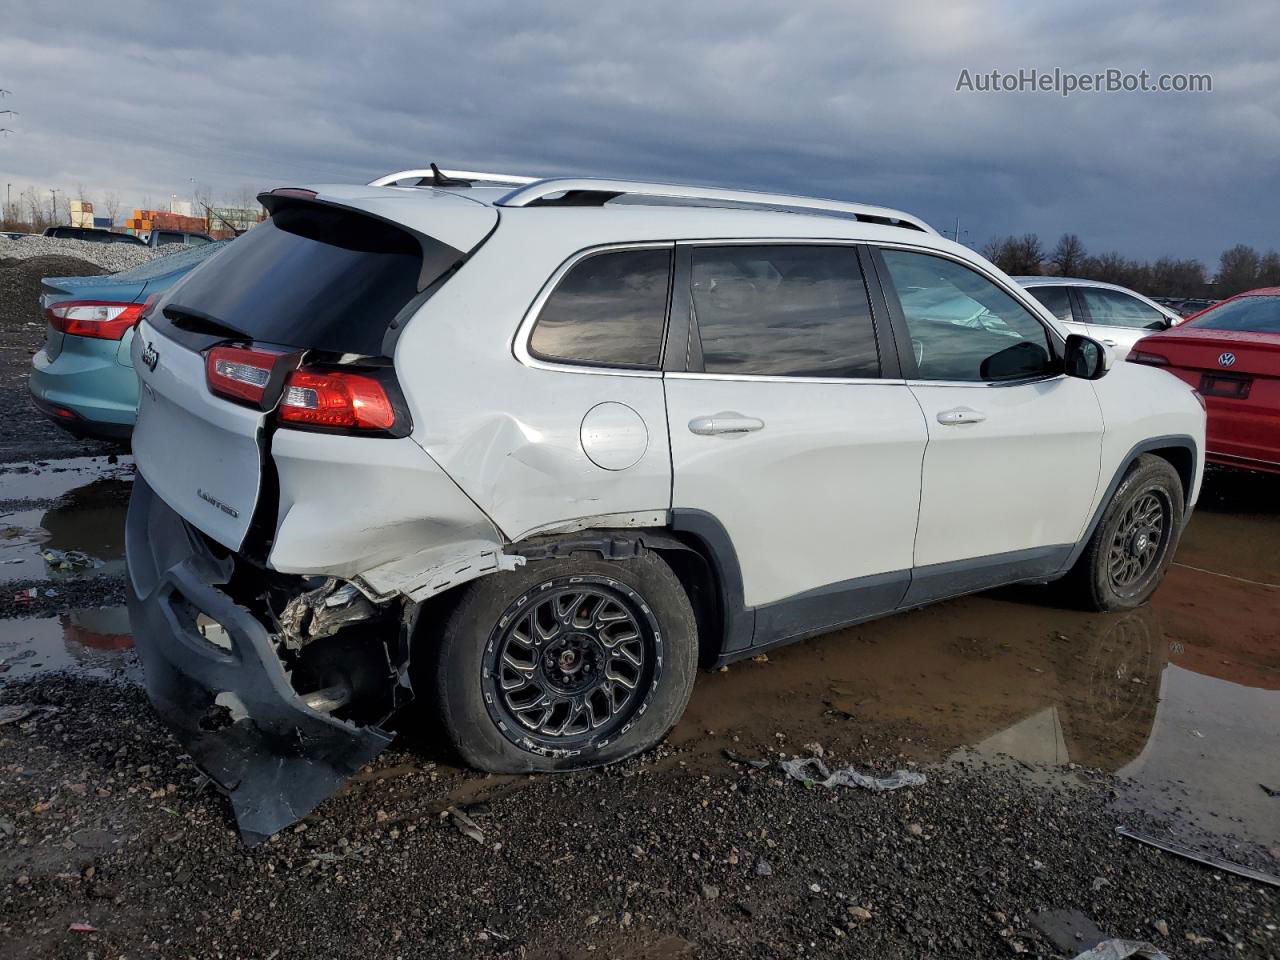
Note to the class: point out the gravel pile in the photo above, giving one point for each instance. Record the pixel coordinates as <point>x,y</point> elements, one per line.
<point>20,281</point>
<point>109,257</point>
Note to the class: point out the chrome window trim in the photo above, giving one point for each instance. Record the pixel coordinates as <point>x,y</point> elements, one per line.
<point>987,384</point>
<point>765,378</point>
<point>523,334</point>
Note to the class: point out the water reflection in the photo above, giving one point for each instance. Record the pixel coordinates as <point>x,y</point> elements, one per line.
<point>94,642</point>
<point>1173,696</point>
<point>88,520</point>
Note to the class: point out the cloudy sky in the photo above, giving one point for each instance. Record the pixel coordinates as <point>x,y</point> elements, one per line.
<point>855,100</point>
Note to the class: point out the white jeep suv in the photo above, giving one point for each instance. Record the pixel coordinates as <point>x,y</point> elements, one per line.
<point>534,450</point>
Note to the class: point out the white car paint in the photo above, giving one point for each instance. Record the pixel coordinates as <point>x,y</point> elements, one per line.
<point>984,481</point>
<point>830,482</point>
<point>844,479</point>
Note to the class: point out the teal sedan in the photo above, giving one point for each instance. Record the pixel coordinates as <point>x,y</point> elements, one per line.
<point>82,378</point>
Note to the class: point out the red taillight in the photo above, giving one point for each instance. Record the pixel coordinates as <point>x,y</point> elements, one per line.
<point>336,399</point>
<point>93,318</point>
<point>239,373</point>
<point>1150,359</point>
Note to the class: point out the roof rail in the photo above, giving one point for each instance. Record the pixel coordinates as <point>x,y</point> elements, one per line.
<point>577,191</point>
<point>499,178</point>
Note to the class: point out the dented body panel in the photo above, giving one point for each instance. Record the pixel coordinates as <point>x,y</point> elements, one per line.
<point>351,505</point>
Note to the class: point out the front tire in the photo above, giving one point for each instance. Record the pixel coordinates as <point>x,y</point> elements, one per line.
<point>1134,542</point>
<point>565,664</point>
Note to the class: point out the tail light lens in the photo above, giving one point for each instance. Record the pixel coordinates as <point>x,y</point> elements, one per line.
<point>92,318</point>
<point>1150,359</point>
<point>240,373</point>
<point>336,399</point>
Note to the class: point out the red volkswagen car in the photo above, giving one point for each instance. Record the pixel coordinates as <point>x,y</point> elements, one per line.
<point>1231,354</point>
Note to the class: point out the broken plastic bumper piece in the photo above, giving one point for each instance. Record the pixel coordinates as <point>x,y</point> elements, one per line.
<point>213,675</point>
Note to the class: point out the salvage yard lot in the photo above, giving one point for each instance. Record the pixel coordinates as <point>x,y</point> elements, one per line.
<point>1040,730</point>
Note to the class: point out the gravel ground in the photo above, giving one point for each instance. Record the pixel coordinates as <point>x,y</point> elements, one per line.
<point>25,433</point>
<point>102,823</point>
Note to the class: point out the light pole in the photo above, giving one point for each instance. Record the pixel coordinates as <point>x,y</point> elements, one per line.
<point>53,205</point>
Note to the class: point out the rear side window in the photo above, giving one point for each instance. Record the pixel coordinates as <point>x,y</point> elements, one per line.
<point>610,309</point>
<point>789,310</point>
<point>164,238</point>
<point>310,276</point>
<point>1057,299</point>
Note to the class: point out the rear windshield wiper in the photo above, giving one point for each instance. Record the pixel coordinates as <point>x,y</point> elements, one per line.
<point>196,321</point>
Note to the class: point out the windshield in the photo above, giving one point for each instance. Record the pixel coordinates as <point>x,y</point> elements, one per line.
<point>1247,315</point>
<point>310,276</point>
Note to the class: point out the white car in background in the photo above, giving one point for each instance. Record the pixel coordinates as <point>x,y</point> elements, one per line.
<point>1114,315</point>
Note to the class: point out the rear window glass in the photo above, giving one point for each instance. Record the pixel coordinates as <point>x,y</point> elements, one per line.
<point>610,309</point>
<point>1248,314</point>
<point>310,276</point>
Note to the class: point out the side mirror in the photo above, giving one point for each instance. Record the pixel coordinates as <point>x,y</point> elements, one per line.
<point>1164,323</point>
<point>1085,358</point>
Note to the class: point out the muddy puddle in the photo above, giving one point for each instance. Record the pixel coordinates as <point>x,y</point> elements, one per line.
<point>65,519</point>
<point>94,642</point>
<point>1181,698</point>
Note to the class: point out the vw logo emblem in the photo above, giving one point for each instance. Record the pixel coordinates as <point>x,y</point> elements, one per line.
<point>1226,359</point>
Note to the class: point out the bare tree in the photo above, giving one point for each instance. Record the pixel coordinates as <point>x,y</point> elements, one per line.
<point>111,206</point>
<point>1269,269</point>
<point>1020,256</point>
<point>1237,270</point>
<point>31,202</point>
<point>1068,255</point>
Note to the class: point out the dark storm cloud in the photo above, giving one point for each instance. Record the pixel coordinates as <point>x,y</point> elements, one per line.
<point>855,100</point>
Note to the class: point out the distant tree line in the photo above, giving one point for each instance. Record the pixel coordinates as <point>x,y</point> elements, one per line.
<point>1239,268</point>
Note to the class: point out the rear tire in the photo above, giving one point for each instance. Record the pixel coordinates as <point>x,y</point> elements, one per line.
<point>565,664</point>
<point>1127,556</point>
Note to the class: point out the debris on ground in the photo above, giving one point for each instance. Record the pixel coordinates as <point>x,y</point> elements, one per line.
<point>69,559</point>
<point>465,825</point>
<point>1121,949</point>
<point>1217,863</point>
<point>735,757</point>
<point>16,712</point>
<point>811,771</point>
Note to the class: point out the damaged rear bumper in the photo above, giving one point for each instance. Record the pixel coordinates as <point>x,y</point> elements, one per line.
<point>228,699</point>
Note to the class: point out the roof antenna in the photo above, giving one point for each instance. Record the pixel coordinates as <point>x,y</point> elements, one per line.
<point>440,179</point>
